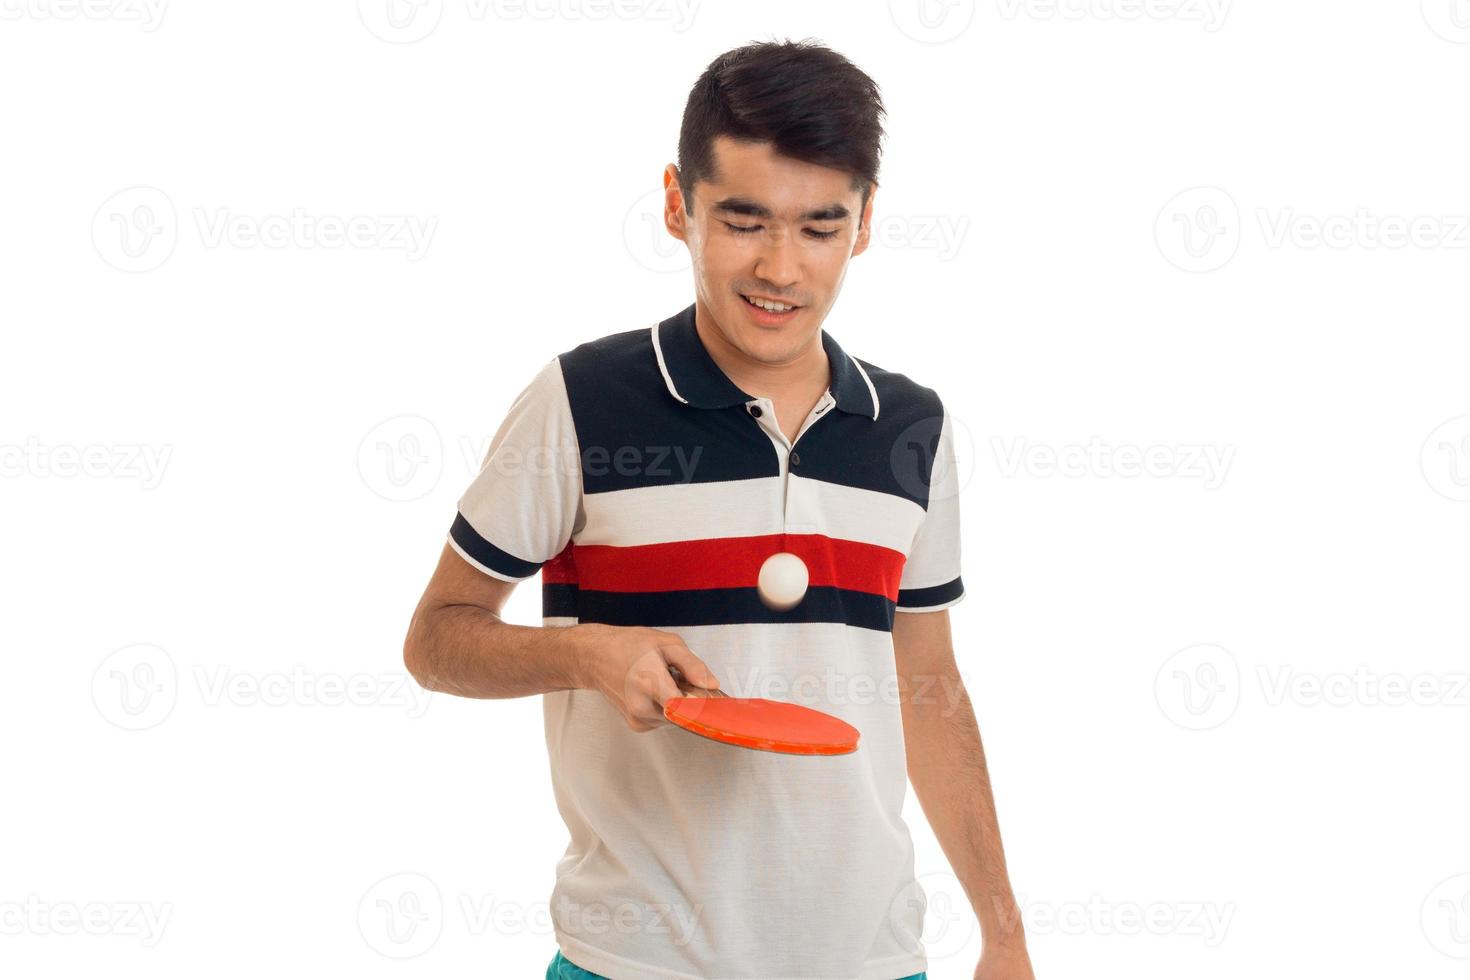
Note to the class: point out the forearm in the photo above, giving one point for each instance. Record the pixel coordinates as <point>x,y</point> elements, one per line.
<point>469,651</point>
<point>946,763</point>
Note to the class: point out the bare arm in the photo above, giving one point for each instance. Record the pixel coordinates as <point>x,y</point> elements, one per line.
<point>946,764</point>
<point>458,644</point>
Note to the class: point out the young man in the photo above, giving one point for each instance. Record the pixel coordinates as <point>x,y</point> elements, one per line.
<point>648,475</point>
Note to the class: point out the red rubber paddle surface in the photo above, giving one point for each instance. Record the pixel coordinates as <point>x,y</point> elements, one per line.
<point>759,723</point>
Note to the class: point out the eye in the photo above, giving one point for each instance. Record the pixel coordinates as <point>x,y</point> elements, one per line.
<point>752,229</point>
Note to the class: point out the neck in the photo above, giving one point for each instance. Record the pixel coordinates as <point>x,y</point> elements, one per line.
<point>805,373</point>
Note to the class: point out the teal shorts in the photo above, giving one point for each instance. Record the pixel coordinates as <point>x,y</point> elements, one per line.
<point>562,968</point>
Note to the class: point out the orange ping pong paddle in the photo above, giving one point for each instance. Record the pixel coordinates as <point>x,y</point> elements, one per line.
<point>759,723</point>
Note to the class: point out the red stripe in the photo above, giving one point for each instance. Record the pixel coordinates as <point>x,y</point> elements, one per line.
<point>732,563</point>
<point>561,570</point>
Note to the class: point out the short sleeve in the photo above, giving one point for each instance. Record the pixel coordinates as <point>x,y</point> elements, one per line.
<point>931,574</point>
<point>521,509</point>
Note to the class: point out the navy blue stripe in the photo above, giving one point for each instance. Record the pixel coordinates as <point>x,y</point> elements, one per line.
<point>558,599</point>
<point>487,554</point>
<point>932,596</point>
<point>633,433</point>
<point>722,607</point>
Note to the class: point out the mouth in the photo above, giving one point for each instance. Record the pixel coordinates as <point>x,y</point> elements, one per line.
<point>769,312</point>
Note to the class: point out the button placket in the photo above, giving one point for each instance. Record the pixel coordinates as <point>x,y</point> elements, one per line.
<point>764,412</point>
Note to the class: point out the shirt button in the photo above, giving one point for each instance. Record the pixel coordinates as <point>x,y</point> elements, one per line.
<point>796,459</point>
<point>755,411</point>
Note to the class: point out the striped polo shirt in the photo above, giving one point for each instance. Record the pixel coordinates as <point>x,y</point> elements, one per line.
<point>647,489</point>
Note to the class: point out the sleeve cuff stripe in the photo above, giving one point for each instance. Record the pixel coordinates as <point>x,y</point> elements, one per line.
<point>937,595</point>
<point>477,548</point>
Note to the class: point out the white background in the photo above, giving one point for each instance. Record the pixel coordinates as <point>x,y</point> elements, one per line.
<point>1225,702</point>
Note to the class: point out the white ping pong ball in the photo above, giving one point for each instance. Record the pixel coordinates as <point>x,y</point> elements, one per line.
<point>782,581</point>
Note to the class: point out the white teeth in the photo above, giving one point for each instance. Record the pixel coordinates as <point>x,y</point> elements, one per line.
<point>769,305</point>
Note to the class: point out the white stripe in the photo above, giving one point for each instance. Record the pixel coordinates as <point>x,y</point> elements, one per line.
<point>868,381</point>
<point>658,352</point>
<point>851,513</point>
<point>747,508</point>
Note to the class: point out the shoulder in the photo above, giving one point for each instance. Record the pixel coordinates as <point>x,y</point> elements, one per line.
<point>901,399</point>
<point>618,362</point>
<point>623,347</point>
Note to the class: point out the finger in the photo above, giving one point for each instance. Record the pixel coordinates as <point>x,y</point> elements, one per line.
<point>649,684</point>
<point>695,671</point>
<point>664,688</point>
<point>648,713</point>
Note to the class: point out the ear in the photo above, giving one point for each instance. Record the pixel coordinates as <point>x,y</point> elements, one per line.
<point>865,224</point>
<point>674,216</point>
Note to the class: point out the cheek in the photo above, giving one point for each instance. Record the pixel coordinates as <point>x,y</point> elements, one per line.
<point>722,259</point>
<point>828,262</point>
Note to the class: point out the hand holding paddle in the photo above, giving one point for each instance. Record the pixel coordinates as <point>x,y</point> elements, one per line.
<point>638,670</point>
<point>653,679</point>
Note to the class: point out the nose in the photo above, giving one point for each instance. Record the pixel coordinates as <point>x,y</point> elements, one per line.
<point>778,262</point>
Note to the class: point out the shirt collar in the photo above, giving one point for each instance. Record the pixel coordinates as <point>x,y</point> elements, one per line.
<point>693,377</point>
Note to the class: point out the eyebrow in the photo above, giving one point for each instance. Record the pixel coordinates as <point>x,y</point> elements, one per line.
<point>750,209</point>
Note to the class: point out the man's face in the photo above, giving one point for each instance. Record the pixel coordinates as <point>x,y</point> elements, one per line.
<point>773,229</point>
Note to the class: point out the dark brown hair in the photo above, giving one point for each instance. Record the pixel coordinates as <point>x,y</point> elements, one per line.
<point>808,101</point>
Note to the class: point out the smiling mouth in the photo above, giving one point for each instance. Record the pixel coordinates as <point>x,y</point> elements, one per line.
<point>769,305</point>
